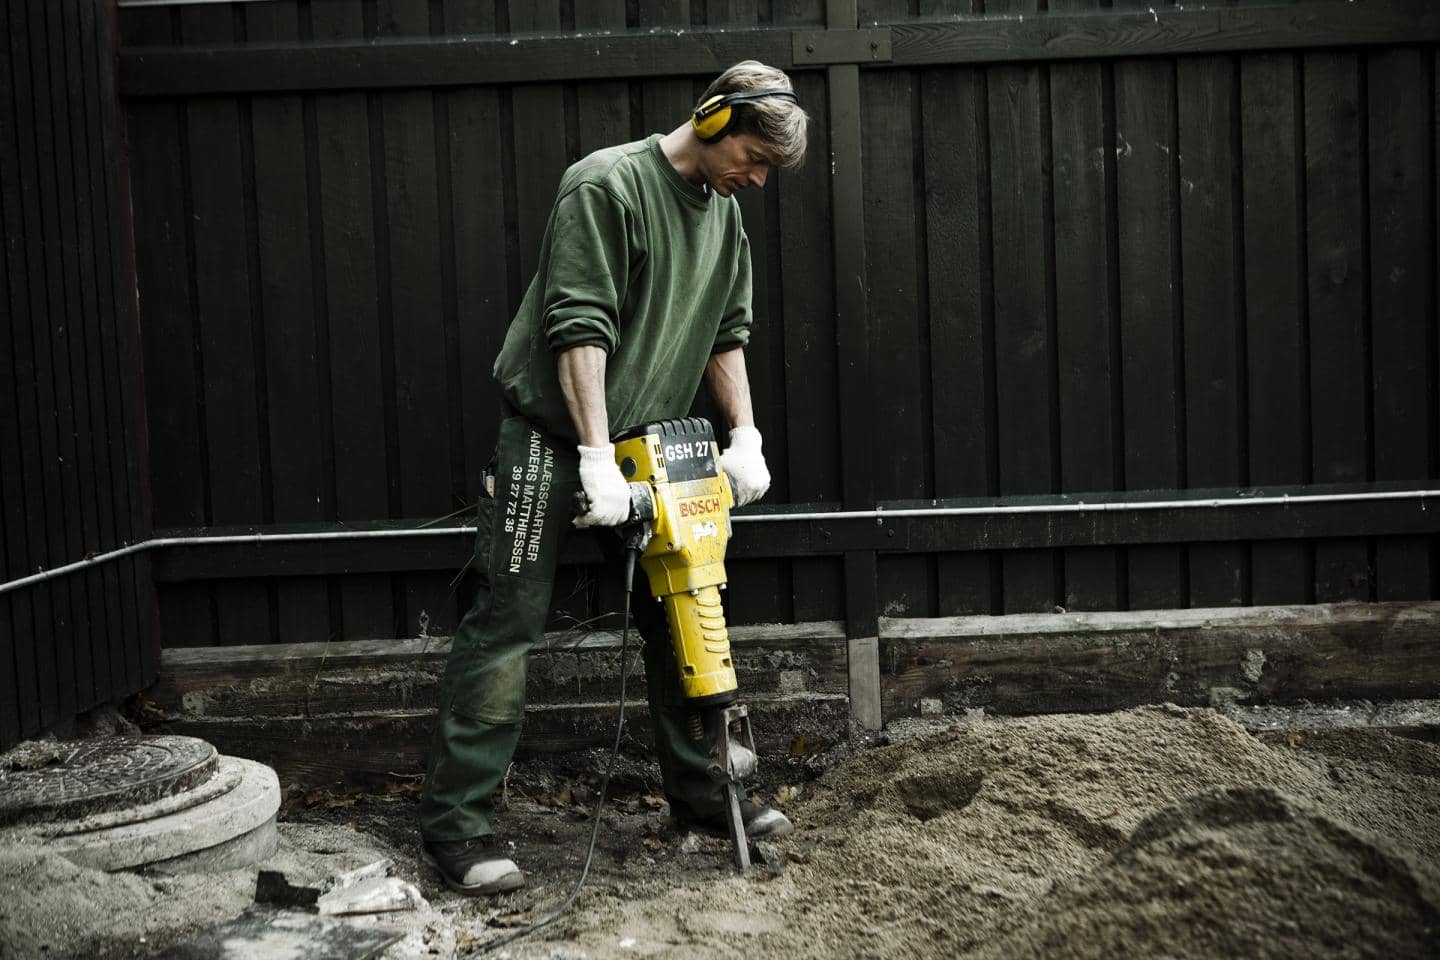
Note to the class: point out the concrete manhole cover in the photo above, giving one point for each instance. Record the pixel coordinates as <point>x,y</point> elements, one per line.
<point>46,780</point>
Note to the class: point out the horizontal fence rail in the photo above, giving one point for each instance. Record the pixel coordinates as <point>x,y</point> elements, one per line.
<point>957,41</point>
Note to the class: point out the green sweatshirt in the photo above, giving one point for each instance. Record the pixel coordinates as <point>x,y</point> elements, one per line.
<point>639,261</point>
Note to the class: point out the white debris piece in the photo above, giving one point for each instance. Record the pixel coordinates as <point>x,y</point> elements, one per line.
<point>380,868</point>
<point>375,895</point>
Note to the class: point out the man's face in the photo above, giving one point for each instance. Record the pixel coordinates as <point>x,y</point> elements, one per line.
<point>734,163</point>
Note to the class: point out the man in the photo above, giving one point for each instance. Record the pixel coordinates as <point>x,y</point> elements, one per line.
<point>642,289</point>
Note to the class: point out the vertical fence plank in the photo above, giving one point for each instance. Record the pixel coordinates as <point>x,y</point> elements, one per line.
<point>956,119</point>
<point>1151,324</point>
<point>114,637</point>
<point>34,375</point>
<point>665,103</point>
<point>539,132</point>
<point>811,364</point>
<point>174,403</point>
<point>417,320</point>
<point>70,335</point>
<point>51,328</point>
<point>177,469</point>
<point>898,336</point>
<point>107,637</point>
<point>61,320</point>
<point>1024,344</point>
<point>602,106</point>
<point>221,183</point>
<point>1339,349</point>
<point>961,313</point>
<point>127,434</point>
<point>1402,300</point>
<point>1275,293</point>
<point>19,709</point>
<point>348,189</point>
<point>287,315</point>
<point>1213,310</point>
<point>1086,324</point>
<point>478,210</point>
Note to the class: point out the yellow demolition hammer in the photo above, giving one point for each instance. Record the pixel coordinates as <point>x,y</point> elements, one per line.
<point>679,525</point>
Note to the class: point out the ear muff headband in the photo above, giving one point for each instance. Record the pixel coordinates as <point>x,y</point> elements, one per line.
<point>711,119</point>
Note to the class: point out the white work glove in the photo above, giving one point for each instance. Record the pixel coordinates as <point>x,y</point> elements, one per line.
<point>743,461</point>
<point>605,488</point>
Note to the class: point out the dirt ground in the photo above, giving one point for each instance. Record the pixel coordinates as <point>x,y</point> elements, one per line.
<point>1152,832</point>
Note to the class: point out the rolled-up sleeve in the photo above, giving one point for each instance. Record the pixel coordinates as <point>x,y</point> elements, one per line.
<point>735,321</point>
<point>588,270</point>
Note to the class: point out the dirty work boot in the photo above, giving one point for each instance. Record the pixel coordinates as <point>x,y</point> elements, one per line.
<point>475,866</point>
<point>760,820</point>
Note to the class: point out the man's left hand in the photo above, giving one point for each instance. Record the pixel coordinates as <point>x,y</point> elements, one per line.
<point>745,464</point>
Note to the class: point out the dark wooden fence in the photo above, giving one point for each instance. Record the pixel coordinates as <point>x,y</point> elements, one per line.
<point>1083,251</point>
<point>70,475</point>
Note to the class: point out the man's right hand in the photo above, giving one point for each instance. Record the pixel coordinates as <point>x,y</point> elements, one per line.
<point>605,488</point>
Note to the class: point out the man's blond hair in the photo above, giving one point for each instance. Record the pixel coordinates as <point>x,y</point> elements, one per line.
<point>778,123</point>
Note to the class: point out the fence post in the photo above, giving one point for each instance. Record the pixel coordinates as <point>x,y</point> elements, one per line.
<point>853,338</point>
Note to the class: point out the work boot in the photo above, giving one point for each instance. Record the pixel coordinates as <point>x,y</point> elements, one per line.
<point>760,820</point>
<point>473,866</point>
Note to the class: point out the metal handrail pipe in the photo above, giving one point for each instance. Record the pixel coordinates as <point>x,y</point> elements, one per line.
<point>1208,503</point>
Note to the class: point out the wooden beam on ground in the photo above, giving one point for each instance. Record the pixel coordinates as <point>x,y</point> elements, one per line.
<point>370,748</point>
<point>363,710</point>
<point>359,711</point>
<point>375,676</point>
<point>1077,662</point>
<point>1419,719</point>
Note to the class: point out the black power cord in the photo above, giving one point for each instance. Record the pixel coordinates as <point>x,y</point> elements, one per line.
<point>545,921</point>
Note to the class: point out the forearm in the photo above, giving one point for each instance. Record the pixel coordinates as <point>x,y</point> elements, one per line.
<point>582,381</point>
<point>730,386</point>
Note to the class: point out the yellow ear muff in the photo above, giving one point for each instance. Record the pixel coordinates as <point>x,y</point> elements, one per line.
<point>711,119</point>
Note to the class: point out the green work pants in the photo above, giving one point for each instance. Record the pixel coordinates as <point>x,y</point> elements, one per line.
<point>520,532</point>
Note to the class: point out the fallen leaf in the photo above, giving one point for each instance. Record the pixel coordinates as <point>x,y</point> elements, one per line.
<point>329,799</point>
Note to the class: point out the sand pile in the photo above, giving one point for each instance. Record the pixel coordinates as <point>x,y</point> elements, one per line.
<point>1153,832</point>
<point>1240,871</point>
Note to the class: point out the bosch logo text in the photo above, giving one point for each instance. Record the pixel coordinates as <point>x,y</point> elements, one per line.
<point>699,506</point>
